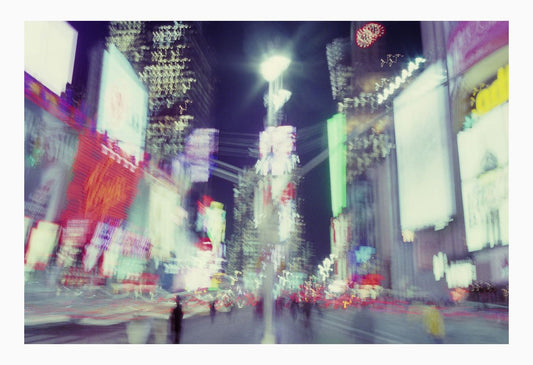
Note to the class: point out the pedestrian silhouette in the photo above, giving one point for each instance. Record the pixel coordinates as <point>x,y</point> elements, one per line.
<point>306,309</point>
<point>294,308</point>
<point>279,306</point>
<point>434,323</point>
<point>212,310</point>
<point>364,321</point>
<point>175,321</point>
<point>259,309</point>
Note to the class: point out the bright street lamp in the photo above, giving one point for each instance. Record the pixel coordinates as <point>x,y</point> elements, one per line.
<point>274,66</point>
<point>272,70</point>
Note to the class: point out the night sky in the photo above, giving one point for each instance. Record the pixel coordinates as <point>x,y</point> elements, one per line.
<point>239,48</point>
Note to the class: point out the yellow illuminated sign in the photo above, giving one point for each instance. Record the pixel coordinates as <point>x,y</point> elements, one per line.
<point>497,93</point>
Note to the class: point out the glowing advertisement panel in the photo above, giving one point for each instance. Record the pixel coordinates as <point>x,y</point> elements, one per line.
<point>364,254</point>
<point>425,180</point>
<point>103,184</point>
<point>123,104</point>
<point>484,160</point>
<point>215,217</point>
<point>199,149</point>
<point>43,239</point>
<point>100,242</point>
<point>163,219</point>
<point>49,52</point>
<point>337,162</point>
<point>471,41</point>
<point>287,218</point>
<point>276,150</point>
<point>49,149</point>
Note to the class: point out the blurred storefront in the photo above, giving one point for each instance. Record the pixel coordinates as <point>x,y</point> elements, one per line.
<point>340,245</point>
<point>51,128</point>
<point>438,103</point>
<point>478,62</point>
<point>101,190</point>
<point>472,184</point>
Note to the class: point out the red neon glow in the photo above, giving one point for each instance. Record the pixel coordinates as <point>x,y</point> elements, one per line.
<point>204,204</point>
<point>103,184</point>
<point>204,244</point>
<point>288,193</point>
<point>372,279</point>
<point>368,34</point>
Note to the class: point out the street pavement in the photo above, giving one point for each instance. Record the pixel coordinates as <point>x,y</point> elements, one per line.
<point>95,315</point>
<point>350,326</point>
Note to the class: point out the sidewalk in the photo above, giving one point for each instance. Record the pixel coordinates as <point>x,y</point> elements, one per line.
<point>44,304</point>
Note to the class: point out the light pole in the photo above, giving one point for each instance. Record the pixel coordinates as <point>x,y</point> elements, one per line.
<point>272,70</point>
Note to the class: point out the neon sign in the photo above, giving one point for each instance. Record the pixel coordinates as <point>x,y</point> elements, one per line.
<point>497,93</point>
<point>199,148</point>
<point>102,188</point>
<point>103,191</point>
<point>368,34</point>
<point>276,150</point>
<point>123,104</point>
<point>336,127</point>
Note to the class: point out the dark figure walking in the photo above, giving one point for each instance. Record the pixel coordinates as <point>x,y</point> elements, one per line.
<point>280,303</point>
<point>175,321</point>
<point>306,309</point>
<point>259,309</point>
<point>212,310</point>
<point>364,320</point>
<point>294,308</point>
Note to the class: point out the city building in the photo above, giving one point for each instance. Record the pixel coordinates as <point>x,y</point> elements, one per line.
<point>418,96</point>
<point>175,62</point>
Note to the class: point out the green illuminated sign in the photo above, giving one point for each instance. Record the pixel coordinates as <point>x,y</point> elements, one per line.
<point>337,161</point>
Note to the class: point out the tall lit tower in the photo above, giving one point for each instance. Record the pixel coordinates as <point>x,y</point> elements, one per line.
<point>175,62</point>
<point>275,192</point>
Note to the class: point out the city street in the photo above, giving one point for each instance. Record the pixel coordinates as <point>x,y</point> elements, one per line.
<point>350,326</point>
<point>302,182</point>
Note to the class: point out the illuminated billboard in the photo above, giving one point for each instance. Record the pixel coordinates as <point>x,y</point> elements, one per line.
<point>104,182</point>
<point>49,148</point>
<point>425,180</point>
<point>277,146</point>
<point>472,41</point>
<point>337,161</point>
<point>164,219</point>
<point>215,217</point>
<point>364,254</point>
<point>211,219</point>
<point>484,164</point>
<point>199,149</point>
<point>49,52</point>
<point>123,104</point>
<point>43,239</point>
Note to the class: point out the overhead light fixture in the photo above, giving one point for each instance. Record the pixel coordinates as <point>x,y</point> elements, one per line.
<point>274,66</point>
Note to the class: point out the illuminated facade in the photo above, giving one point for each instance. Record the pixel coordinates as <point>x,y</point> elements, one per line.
<point>243,246</point>
<point>337,162</point>
<point>371,60</point>
<point>432,242</point>
<point>244,249</point>
<point>174,61</point>
<point>478,59</point>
